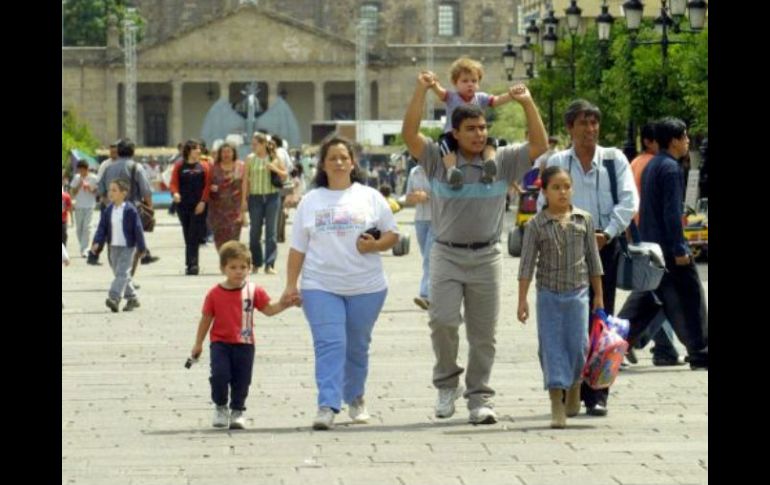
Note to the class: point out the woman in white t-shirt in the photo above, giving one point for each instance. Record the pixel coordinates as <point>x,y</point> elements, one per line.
<point>343,283</point>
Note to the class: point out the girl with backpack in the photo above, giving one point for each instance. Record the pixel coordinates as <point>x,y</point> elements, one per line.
<point>560,242</point>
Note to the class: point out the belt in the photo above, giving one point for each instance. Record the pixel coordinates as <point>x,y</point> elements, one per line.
<point>475,245</point>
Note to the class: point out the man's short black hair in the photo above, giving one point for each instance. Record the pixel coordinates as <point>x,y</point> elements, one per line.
<point>667,129</point>
<point>579,106</point>
<point>465,112</point>
<point>126,148</point>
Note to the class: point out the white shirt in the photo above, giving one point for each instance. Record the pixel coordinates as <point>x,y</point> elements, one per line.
<point>591,190</point>
<point>419,181</point>
<point>118,238</point>
<point>85,199</point>
<point>327,226</point>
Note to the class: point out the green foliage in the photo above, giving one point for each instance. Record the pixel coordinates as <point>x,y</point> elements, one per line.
<point>627,82</point>
<point>432,133</point>
<point>507,121</point>
<point>86,21</point>
<point>76,135</point>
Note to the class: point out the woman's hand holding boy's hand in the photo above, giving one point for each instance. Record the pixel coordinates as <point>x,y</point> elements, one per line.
<point>523,312</point>
<point>291,297</point>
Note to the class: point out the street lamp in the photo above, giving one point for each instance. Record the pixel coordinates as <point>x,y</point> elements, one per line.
<point>668,19</point>
<point>509,60</point>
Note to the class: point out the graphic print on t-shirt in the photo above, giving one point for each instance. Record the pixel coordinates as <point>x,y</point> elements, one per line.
<point>340,220</point>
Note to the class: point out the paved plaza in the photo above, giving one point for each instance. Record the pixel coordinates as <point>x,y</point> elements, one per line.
<point>132,414</point>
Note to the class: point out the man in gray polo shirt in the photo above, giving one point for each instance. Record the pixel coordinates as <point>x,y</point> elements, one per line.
<point>466,259</point>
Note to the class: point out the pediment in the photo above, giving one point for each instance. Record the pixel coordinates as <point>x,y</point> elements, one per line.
<point>250,35</point>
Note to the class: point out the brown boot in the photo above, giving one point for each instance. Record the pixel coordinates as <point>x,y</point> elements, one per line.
<point>558,413</point>
<point>573,400</point>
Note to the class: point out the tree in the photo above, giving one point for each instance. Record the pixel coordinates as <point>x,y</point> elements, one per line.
<point>85,21</point>
<point>507,121</point>
<point>75,134</point>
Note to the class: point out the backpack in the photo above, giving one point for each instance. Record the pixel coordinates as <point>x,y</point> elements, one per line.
<point>605,353</point>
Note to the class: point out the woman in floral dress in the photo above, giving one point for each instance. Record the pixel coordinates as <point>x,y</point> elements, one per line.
<point>225,215</point>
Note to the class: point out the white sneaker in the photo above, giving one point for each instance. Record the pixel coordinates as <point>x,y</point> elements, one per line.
<point>357,411</point>
<point>221,417</point>
<point>445,404</point>
<point>482,415</point>
<point>324,419</point>
<point>237,421</point>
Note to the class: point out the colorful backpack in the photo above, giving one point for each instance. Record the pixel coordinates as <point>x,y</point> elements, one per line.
<point>605,353</point>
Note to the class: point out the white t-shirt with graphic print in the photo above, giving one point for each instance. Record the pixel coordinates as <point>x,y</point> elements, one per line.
<point>327,225</point>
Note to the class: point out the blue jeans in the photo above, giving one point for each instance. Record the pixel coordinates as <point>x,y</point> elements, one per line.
<point>231,366</point>
<point>263,209</point>
<point>342,330</point>
<point>562,336</point>
<point>425,238</point>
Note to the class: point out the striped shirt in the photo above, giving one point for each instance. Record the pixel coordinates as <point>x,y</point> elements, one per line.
<point>259,176</point>
<point>565,255</point>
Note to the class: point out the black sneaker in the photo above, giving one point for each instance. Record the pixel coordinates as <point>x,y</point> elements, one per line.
<point>597,410</point>
<point>131,303</point>
<point>149,259</point>
<point>455,178</point>
<point>667,361</point>
<point>112,305</point>
<point>93,259</point>
<point>490,172</point>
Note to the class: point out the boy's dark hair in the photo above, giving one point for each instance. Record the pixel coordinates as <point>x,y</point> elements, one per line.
<point>667,129</point>
<point>465,112</point>
<point>122,184</point>
<point>579,106</point>
<point>386,190</point>
<point>125,148</point>
<point>648,131</point>
<point>82,164</point>
<point>233,250</point>
<point>321,180</point>
<point>548,174</point>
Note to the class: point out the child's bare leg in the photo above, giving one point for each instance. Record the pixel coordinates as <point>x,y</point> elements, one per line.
<point>453,174</point>
<point>489,152</point>
<point>490,167</point>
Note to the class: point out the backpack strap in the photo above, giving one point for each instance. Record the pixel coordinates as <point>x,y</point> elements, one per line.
<point>247,313</point>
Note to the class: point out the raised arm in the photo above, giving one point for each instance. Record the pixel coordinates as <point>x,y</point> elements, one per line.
<point>437,88</point>
<point>538,138</point>
<point>410,130</point>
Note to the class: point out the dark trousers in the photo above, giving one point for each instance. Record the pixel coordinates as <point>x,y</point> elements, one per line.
<point>610,254</point>
<point>681,297</point>
<point>64,233</point>
<point>231,366</point>
<point>193,228</point>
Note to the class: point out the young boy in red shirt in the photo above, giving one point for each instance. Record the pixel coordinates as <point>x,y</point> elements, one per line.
<point>229,311</point>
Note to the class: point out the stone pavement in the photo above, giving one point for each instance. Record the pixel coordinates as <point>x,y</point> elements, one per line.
<point>132,414</point>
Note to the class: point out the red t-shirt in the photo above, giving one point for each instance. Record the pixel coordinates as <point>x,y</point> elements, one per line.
<point>226,306</point>
<point>66,205</point>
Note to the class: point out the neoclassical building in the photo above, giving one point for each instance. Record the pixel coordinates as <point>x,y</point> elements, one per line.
<point>196,52</point>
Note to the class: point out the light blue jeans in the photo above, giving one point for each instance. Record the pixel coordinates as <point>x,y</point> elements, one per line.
<point>425,238</point>
<point>562,336</point>
<point>342,330</point>
<point>121,260</point>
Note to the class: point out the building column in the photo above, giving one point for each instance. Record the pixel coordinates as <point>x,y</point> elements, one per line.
<point>224,90</point>
<point>113,109</point>
<point>320,102</point>
<point>272,93</point>
<point>176,112</point>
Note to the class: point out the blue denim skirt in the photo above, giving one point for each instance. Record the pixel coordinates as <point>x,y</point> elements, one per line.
<point>562,335</point>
